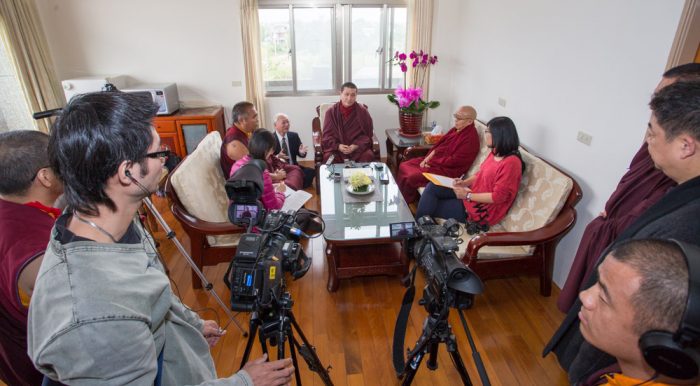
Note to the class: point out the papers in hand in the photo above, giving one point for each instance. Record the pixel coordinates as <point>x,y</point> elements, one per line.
<point>439,180</point>
<point>294,199</point>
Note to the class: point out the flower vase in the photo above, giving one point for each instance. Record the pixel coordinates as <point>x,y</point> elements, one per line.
<point>410,124</point>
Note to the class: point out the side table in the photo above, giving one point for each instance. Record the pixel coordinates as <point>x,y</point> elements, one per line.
<point>397,144</point>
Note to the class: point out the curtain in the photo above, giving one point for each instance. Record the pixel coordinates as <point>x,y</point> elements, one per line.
<point>420,27</point>
<point>21,32</point>
<point>250,30</point>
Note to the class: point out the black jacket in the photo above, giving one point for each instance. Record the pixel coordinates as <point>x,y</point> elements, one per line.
<point>293,142</point>
<point>674,216</point>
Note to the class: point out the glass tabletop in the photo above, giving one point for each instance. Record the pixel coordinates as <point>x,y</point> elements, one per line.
<point>400,140</point>
<point>358,221</point>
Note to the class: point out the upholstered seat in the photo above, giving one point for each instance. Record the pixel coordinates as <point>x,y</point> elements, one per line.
<point>198,200</point>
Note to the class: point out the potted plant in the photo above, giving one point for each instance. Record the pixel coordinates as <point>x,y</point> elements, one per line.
<point>409,99</point>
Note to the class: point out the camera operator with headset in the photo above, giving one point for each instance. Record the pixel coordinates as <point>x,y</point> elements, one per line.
<point>103,311</point>
<point>647,318</point>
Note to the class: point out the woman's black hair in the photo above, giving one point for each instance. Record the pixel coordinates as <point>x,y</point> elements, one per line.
<point>260,143</point>
<point>504,138</point>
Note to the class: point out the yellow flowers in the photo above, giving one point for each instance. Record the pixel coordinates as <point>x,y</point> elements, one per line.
<point>359,181</point>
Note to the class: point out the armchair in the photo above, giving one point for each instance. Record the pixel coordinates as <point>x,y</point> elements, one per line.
<point>317,131</point>
<point>199,202</point>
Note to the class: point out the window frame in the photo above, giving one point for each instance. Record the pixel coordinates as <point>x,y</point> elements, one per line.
<point>341,43</point>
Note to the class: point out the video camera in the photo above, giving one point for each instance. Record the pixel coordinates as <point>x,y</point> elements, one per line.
<point>449,280</point>
<point>256,273</point>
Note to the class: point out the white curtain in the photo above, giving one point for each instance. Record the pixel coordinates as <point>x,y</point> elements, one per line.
<point>420,26</point>
<point>21,32</point>
<point>250,30</point>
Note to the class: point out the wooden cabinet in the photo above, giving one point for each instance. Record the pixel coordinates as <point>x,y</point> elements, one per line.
<point>183,130</point>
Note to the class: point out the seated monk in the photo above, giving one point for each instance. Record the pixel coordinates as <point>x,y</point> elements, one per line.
<point>347,129</point>
<point>451,156</point>
<point>235,146</point>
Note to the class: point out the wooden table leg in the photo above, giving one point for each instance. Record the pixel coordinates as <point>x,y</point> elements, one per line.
<point>331,256</point>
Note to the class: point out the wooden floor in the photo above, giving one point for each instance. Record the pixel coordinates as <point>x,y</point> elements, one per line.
<point>352,329</point>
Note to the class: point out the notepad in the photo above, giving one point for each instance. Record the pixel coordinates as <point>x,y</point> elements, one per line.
<point>439,180</point>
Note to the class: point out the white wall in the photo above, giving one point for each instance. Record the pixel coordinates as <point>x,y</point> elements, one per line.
<point>561,66</point>
<point>196,44</point>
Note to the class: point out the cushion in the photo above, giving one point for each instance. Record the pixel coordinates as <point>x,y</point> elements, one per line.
<point>199,184</point>
<point>323,107</point>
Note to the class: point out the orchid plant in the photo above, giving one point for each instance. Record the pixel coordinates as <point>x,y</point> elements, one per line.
<point>409,99</point>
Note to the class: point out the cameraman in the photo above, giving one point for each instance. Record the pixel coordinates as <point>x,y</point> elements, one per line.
<point>103,311</point>
<point>631,297</point>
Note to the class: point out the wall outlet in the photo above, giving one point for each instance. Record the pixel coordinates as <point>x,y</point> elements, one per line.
<point>236,83</point>
<point>502,102</point>
<point>584,138</point>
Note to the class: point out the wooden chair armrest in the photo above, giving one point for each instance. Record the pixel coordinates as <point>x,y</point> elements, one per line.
<point>555,229</point>
<point>415,152</point>
<point>375,146</point>
<point>316,139</point>
<point>209,228</point>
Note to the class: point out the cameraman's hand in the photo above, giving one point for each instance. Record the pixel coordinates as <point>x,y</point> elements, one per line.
<point>274,373</point>
<point>212,332</point>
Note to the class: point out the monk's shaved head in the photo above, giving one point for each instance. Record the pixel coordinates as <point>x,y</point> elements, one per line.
<point>466,112</point>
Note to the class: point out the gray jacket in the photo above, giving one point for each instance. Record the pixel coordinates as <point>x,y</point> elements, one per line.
<point>101,313</point>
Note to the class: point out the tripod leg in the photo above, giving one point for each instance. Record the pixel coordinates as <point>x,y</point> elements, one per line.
<point>249,343</point>
<point>459,364</point>
<point>412,365</point>
<point>308,352</point>
<point>292,344</point>
<point>432,357</point>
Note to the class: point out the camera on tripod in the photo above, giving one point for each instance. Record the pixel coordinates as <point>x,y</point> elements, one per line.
<point>433,246</point>
<point>449,284</point>
<point>256,273</point>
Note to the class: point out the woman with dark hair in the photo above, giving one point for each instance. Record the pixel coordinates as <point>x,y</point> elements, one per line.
<point>484,198</point>
<point>261,146</point>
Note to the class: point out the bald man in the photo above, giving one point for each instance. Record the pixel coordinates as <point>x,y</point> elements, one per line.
<point>451,156</point>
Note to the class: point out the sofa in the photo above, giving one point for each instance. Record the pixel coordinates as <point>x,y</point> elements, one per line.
<point>525,241</point>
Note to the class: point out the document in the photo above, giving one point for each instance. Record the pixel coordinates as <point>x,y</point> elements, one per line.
<point>440,180</point>
<point>294,199</point>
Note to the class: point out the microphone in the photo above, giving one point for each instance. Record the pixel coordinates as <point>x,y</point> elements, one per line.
<point>330,160</point>
<point>143,188</point>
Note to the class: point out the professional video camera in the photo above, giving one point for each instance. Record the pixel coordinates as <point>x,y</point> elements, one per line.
<point>449,284</point>
<point>256,273</point>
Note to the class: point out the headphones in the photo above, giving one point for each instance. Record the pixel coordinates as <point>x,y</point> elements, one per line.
<point>677,354</point>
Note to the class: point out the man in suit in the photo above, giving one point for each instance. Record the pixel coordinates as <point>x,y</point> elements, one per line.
<point>288,147</point>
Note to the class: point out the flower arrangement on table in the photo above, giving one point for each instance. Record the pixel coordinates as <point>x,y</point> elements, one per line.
<point>409,99</point>
<point>359,181</point>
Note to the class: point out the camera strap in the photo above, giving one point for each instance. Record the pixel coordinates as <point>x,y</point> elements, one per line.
<point>402,322</point>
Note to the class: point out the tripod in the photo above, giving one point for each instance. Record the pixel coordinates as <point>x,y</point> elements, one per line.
<point>436,330</point>
<point>170,234</point>
<point>277,325</point>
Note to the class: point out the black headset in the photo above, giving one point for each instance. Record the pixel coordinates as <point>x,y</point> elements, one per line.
<point>677,354</point>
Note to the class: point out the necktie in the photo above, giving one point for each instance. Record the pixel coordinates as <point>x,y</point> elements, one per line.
<point>285,150</point>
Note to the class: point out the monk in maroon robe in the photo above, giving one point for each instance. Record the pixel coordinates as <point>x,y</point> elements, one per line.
<point>452,156</point>
<point>235,147</point>
<point>347,129</point>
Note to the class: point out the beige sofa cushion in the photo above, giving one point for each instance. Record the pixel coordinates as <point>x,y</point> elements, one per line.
<point>199,184</point>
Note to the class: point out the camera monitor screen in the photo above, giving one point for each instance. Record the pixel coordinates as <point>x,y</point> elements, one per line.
<point>401,230</point>
<point>245,213</point>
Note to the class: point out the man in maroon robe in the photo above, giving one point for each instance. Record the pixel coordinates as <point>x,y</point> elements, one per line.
<point>640,188</point>
<point>28,189</point>
<point>451,156</point>
<point>347,129</point>
<point>235,146</point>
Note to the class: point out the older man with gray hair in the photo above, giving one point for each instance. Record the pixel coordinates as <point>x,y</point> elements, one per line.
<point>288,147</point>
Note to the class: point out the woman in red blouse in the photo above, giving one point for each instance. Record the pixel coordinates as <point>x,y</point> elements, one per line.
<point>485,197</point>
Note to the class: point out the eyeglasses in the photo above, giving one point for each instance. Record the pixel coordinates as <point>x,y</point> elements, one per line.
<point>164,152</point>
<point>460,117</point>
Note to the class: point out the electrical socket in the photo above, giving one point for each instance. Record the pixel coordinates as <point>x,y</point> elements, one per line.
<point>236,83</point>
<point>502,102</point>
<point>584,138</point>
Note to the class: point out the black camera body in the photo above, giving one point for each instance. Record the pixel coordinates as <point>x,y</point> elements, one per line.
<point>448,280</point>
<point>256,274</point>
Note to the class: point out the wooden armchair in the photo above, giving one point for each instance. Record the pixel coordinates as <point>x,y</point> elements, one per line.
<point>317,131</point>
<point>199,202</point>
<point>525,241</point>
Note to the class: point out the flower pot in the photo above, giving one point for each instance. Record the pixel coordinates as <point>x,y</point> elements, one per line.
<point>410,124</point>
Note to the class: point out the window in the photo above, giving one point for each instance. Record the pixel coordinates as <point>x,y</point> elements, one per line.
<point>14,112</point>
<point>312,50</point>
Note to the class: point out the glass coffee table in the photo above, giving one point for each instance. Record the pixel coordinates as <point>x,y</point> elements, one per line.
<point>357,234</point>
